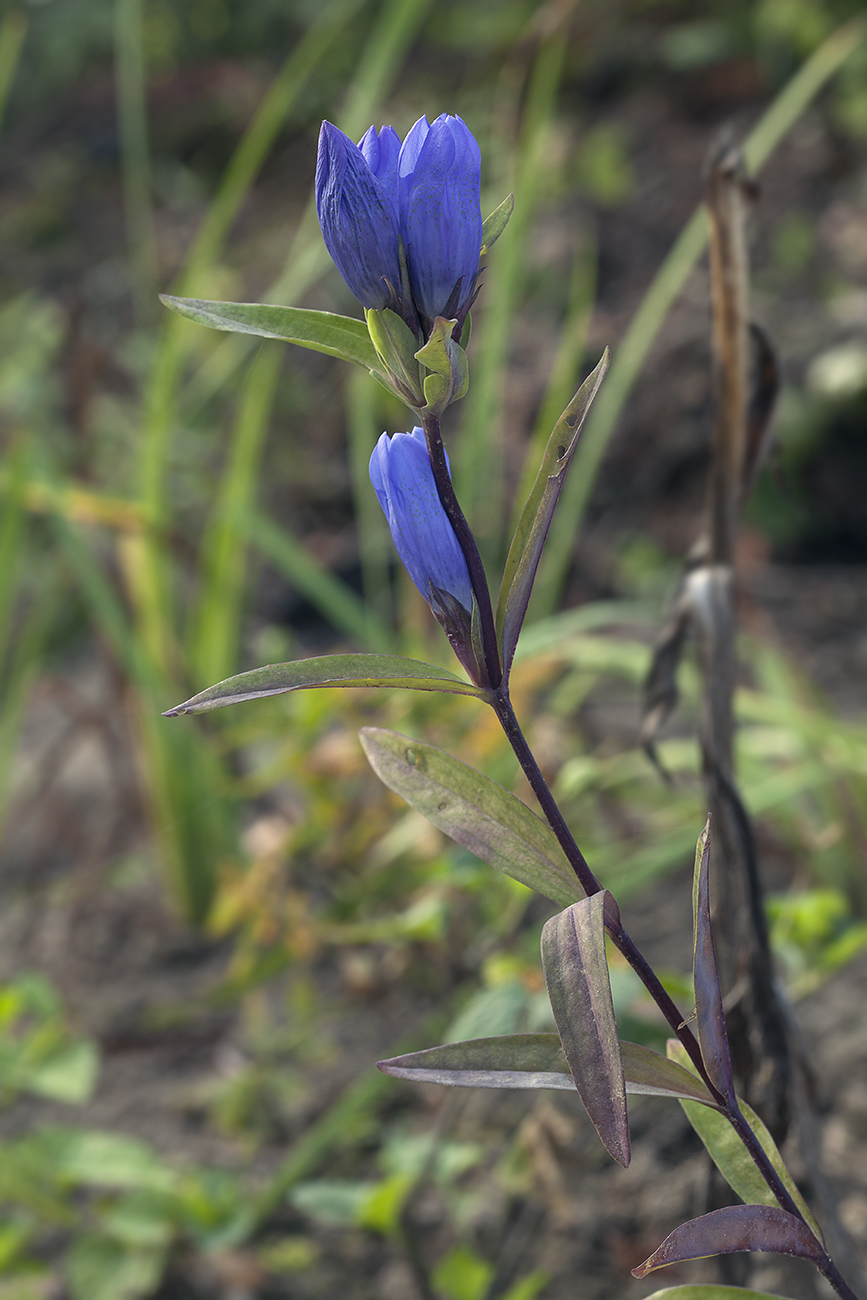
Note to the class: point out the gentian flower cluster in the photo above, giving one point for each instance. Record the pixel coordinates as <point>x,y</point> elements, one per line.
<point>403,222</point>
<point>403,480</point>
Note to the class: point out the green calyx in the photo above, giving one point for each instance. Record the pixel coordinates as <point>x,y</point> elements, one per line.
<point>446,360</point>
<point>396,347</point>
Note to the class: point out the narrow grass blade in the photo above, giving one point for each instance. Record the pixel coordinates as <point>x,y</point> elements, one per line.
<point>337,602</point>
<point>476,812</point>
<point>13,29</point>
<point>130,78</point>
<point>576,973</point>
<point>631,353</point>
<point>223,552</point>
<point>478,474</point>
<point>736,1228</point>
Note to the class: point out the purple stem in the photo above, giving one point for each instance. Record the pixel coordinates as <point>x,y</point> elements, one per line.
<point>467,543</point>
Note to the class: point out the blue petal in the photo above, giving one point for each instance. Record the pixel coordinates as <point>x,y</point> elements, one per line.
<point>381,153</point>
<point>358,218</point>
<point>441,220</point>
<point>403,480</point>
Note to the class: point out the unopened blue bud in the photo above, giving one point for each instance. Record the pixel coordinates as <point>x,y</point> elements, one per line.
<point>358,216</point>
<point>440,215</point>
<point>403,480</point>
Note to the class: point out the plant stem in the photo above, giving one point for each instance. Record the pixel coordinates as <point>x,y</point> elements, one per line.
<point>467,543</point>
<point>619,937</point>
<point>625,945</point>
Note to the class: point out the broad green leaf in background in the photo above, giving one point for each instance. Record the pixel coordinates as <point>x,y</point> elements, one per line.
<point>728,1153</point>
<point>736,1228</point>
<point>327,670</point>
<point>102,1269</point>
<point>710,1017</point>
<point>481,815</point>
<point>576,973</point>
<point>535,520</point>
<point>537,1061</point>
<point>321,331</point>
<point>90,1158</point>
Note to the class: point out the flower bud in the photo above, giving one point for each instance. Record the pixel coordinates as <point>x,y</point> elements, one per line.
<point>403,480</point>
<point>358,216</point>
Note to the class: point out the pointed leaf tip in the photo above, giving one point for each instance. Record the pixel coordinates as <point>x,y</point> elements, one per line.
<point>731,1230</point>
<point>532,528</point>
<point>327,671</point>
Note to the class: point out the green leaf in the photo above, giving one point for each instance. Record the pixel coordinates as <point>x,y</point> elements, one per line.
<point>710,1016</point>
<point>729,1155</point>
<point>90,1158</point>
<point>532,528</point>
<point>101,1269</point>
<point>576,973</point>
<point>321,331</point>
<point>68,1075</point>
<point>709,1292</point>
<point>536,1061</point>
<point>494,225</point>
<point>463,1275</point>
<point>734,1229</point>
<point>481,815</point>
<point>327,670</point>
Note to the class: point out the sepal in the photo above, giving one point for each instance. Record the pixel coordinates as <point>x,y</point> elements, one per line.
<point>396,347</point>
<point>446,360</point>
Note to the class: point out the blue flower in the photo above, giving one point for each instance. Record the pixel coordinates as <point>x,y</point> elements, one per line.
<point>403,222</point>
<point>403,480</point>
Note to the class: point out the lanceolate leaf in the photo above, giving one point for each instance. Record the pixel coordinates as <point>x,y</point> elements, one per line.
<point>322,331</point>
<point>710,1017</point>
<point>481,815</point>
<point>536,1061</point>
<point>327,670</point>
<point>576,973</point>
<point>702,1291</point>
<point>728,1154</point>
<point>529,539</point>
<point>736,1228</point>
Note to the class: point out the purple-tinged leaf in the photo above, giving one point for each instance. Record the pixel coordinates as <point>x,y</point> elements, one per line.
<point>648,1072</point>
<point>481,815</point>
<point>327,670</point>
<point>710,1017</point>
<point>576,973</point>
<point>729,1154</point>
<point>537,1061</point>
<point>736,1228</point>
<point>321,331</point>
<point>535,520</point>
<point>709,1291</point>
